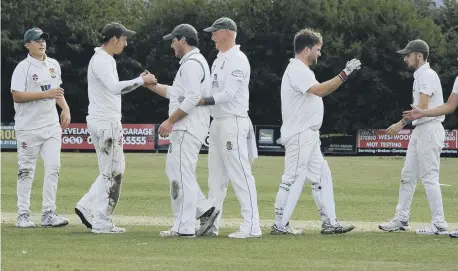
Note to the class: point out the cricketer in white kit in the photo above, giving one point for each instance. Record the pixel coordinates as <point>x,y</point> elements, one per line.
<point>232,146</point>
<point>36,88</point>
<point>302,116</point>
<point>447,108</point>
<point>104,126</point>
<point>425,145</point>
<point>187,126</point>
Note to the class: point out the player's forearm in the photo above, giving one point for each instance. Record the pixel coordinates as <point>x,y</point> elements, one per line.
<point>205,101</point>
<point>440,110</point>
<point>122,87</point>
<point>159,89</point>
<point>62,103</point>
<point>177,116</point>
<point>26,97</point>
<point>327,87</point>
<point>404,122</point>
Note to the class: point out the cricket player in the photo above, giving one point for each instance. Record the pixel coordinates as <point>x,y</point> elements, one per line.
<point>232,146</point>
<point>425,145</point>
<point>302,115</point>
<point>35,87</point>
<point>104,126</point>
<point>188,126</point>
<point>447,108</point>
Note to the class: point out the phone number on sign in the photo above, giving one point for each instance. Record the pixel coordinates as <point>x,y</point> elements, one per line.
<point>135,140</point>
<point>127,140</point>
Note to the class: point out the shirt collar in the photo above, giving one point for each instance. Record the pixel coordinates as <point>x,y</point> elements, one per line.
<point>99,50</point>
<point>193,51</point>
<point>423,68</point>
<point>298,61</point>
<point>230,51</point>
<point>35,61</point>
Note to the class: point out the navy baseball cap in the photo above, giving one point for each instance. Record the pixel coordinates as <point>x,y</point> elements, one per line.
<point>35,34</point>
<point>182,30</point>
<point>116,29</point>
<point>222,23</point>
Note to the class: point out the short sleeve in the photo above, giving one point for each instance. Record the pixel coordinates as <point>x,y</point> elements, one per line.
<point>426,83</point>
<point>59,72</point>
<point>455,86</point>
<point>19,79</point>
<point>301,78</point>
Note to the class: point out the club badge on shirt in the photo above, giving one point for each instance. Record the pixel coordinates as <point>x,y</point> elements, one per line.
<point>229,145</point>
<point>52,71</point>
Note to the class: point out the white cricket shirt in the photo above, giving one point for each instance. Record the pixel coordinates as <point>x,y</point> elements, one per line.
<point>301,110</point>
<point>104,87</point>
<point>33,75</point>
<point>188,84</point>
<point>427,81</point>
<point>455,86</point>
<point>230,79</point>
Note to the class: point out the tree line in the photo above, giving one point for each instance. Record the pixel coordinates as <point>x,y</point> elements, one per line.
<point>370,30</point>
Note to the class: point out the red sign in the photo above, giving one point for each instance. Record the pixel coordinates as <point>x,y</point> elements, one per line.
<point>136,137</point>
<point>379,139</point>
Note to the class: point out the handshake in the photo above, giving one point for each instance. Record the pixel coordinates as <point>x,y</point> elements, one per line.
<point>148,78</point>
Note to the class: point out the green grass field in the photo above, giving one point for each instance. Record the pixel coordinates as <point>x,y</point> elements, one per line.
<point>366,190</point>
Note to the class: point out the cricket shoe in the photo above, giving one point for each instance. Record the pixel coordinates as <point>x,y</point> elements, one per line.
<point>212,231</point>
<point>394,225</point>
<point>287,230</point>
<point>51,219</point>
<point>328,228</point>
<point>243,235</point>
<point>23,221</point>
<point>85,216</point>
<point>432,229</point>
<point>454,233</point>
<point>109,230</point>
<point>172,233</point>
<point>206,221</point>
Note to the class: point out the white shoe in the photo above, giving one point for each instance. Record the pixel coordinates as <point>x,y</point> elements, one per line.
<point>85,215</point>
<point>109,230</point>
<point>51,219</point>
<point>454,233</point>
<point>394,225</point>
<point>172,233</point>
<point>23,221</point>
<point>432,229</point>
<point>243,235</point>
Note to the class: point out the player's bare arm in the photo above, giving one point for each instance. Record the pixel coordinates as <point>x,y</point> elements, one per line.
<point>26,97</point>
<point>332,85</point>
<point>395,128</point>
<point>444,109</point>
<point>423,101</point>
<point>65,116</point>
<point>159,89</point>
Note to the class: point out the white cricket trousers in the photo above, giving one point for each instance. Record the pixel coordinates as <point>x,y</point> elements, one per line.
<point>304,161</point>
<point>187,200</point>
<point>228,159</point>
<point>45,141</point>
<point>423,162</point>
<point>103,195</point>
